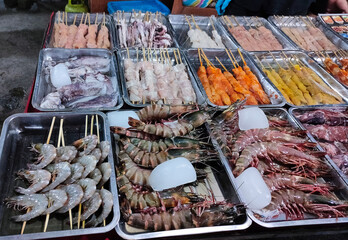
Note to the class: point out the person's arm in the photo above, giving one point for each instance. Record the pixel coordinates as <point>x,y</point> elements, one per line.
<point>337,6</point>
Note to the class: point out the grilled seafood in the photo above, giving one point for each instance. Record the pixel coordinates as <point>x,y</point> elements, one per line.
<point>36,202</point>
<point>87,144</point>
<point>47,153</point>
<point>56,199</point>
<point>156,112</point>
<point>38,179</point>
<point>295,203</point>
<point>181,127</point>
<point>60,172</point>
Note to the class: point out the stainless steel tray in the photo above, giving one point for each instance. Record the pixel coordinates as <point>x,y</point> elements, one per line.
<point>266,57</point>
<point>250,22</point>
<point>18,133</point>
<point>70,21</point>
<point>296,22</point>
<point>320,18</point>
<point>294,110</point>
<point>320,60</point>
<point>122,54</point>
<point>42,87</point>
<point>221,182</point>
<point>272,92</point>
<point>181,28</point>
<point>281,221</point>
<point>129,15</point>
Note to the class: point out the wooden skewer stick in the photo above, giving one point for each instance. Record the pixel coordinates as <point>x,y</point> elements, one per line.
<point>179,55</point>
<point>194,22</point>
<point>66,19</point>
<point>262,66</point>
<point>74,19</point>
<point>221,63</point>
<point>275,60</point>
<point>206,58</point>
<point>229,20</point>
<point>176,59</point>
<point>47,142</point>
<point>85,19</point>
<point>212,23</point>
<point>241,55</point>
<point>230,58</point>
<point>96,19</point>
<point>104,18</point>
<point>89,19</point>
<point>234,58</point>
<point>187,20</point>
<point>169,59</point>
<point>83,14</point>
<point>199,56</point>
<point>235,19</point>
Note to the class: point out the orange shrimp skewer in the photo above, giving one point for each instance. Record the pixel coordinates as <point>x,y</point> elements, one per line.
<point>216,81</point>
<point>202,75</point>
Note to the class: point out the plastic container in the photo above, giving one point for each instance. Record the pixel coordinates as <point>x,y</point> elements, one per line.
<point>140,5</point>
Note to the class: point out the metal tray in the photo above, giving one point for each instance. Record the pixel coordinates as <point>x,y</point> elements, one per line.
<point>122,54</point>
<point>129,15</point>
<point>70,20</point>
<point>296,22</point>
<point>181,28</point>
<point>42,88</point>
<point>320,60</point>
<point>18,133</point>
<point>250,22</point>
<point>281,221</point>
<point>221,184</point>
<point>277,100</point>
<point>294,110</point>
<point>320,18</point>
<point>326,77</point>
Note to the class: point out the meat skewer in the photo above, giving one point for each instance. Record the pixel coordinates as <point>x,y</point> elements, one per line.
<point>103,36</point>
<point>63,32</point>
<point>92,32</point>
<point>71,34</point>
<point>80,41</point>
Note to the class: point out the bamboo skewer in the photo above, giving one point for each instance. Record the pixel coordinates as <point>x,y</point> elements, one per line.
<point>234,58</point>
<point>230,58</point>
<point>221,63</point>
<point>241,55</point>
<point>193,19</point>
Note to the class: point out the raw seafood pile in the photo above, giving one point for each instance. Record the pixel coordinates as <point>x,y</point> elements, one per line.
<point>226,88</point>
<point>142,31</point>
<point>157,80</point>
<point>256,38</point>
<point>201,39</point>
<point>81,36</point>
<point>65,177</point>
<point>79,82</point>
<point>149,143</point>
<point>299,84</point>
<point>289,163</point>
<point>337,68</point>
<point>308,37</point>
<point>329,127</point>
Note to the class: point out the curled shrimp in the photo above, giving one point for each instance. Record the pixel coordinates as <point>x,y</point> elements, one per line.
<point>75,195</point>
<point>47,154</point>
<point>66,154</point>
<point>90,206</point>
<point>89,187</point>
<point>56,199</point>
<point>107,204</point>
<point>38,179</point>
<point>105,149</point>
<point>86,144</point>
<point>105,169</point>
<point>89,163</point>
<point>96,175</point>
<point>76,173</point>
<point>60,172</point>
<point>96,153</point>
<point>36,202</point>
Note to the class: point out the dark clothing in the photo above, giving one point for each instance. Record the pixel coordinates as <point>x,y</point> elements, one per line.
<point>265,8</point>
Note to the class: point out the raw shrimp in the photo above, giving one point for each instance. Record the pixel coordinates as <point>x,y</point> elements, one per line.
<point>280,152</point>
<point>105,169</point>
<point>87,144</point>
<point>89,207</point>
<point>107,203</point>
<point>181,127</point>
<point>89,163</point>
<point>133,133</point>
<point>105,150</point>
<point>89,187</point>
<point>38,179</point>
<point>47,154</point>
<point>36,202</point>
<point>134,173</point>
<point>60,172</point>
<point>157,112</point>
<point>96,153</point>
<point>76,173</point>
<point>56,199</point>
<point>75,195</point>
<point>66,154</point>
<point>96,175</point>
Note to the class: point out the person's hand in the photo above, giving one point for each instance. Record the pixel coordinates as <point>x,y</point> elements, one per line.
<point>337,6</point>
<point>221,5</point>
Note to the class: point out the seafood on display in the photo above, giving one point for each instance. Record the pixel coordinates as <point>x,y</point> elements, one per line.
<point>200,38</point>
<point>305,33</point>
<point>299,84</point>
<point>256,38</point>
<point>337,67</point>
<point>158,80</point>
<point>295,172</point>
<point>329,127</point>
<point>142,30</point>
<point>61,184</point>
<point>225,88</point>
<point>79,82</point>
<point>181,207</point>
<point>81,36</point>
